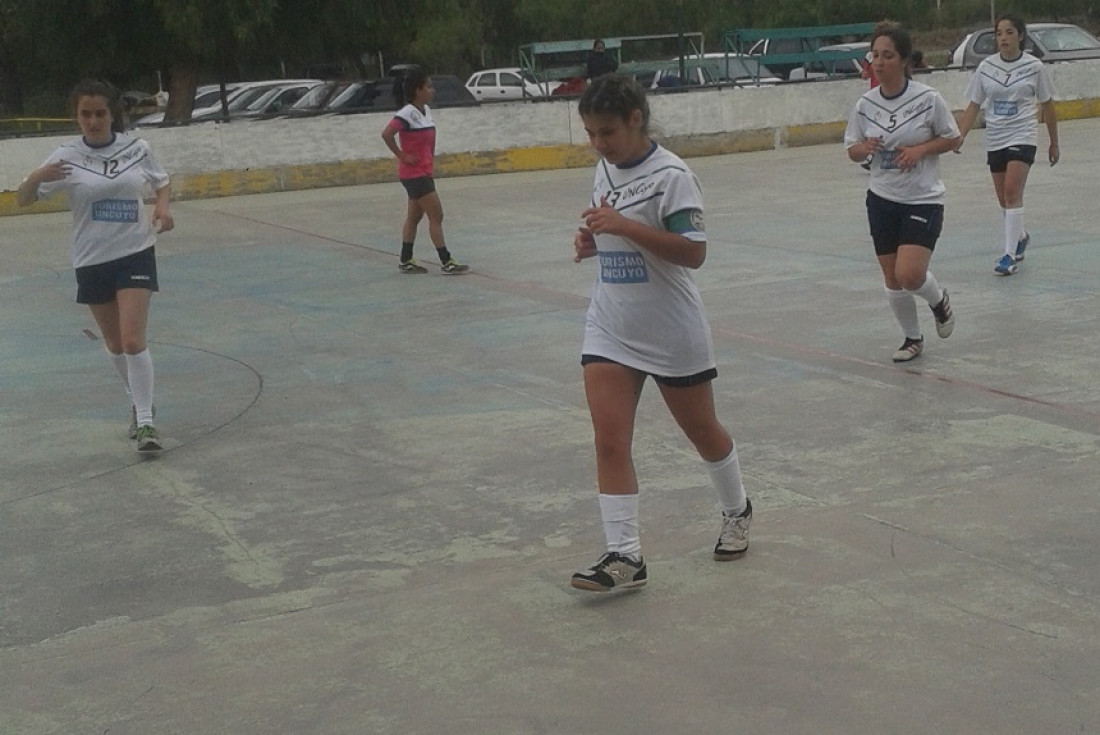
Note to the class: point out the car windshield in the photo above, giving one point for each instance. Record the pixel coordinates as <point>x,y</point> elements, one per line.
<point>316,96</point>
<point>247,97</point>
<point>342,99</point>
<point>262,101</point>
<point>1064,39</point>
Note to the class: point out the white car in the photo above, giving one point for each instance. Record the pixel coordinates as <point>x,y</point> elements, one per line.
<point>838,69</point>
<point>511,83</point>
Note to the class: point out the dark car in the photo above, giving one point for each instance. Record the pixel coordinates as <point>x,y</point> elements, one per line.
<point>449,92</point>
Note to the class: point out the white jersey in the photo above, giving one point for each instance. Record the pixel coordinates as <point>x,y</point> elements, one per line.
<point>106,187</point>
<point>646,313</point>
<point>1010,92</point>
<point>918,114</point>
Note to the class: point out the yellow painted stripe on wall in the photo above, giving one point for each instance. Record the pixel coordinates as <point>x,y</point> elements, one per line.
<point>539,158</point>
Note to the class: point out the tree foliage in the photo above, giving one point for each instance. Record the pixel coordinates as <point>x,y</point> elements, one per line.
<point>46,45</point>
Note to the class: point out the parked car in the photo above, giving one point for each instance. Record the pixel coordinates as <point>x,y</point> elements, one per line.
<point>251,93</point>
<point>238,96</point>
<point>317,99</point>
<point>1046,41</point>
<point>449,92</point>
<point>205,96</point>
<point>354,97</point>
<point>834,69</point>
<point>513,83</point>
<point>741,69</point>
<point>275,101</point>
<point>782,46</point>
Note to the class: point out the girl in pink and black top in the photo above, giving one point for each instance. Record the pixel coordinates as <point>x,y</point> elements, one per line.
<point>414,129</point>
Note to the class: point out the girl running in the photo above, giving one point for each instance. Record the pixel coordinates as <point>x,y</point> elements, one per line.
<point>646,318</point>
<point>905,126</point>
<point>105,173</point>
<point>414,128</point>
<point>1010,85</point>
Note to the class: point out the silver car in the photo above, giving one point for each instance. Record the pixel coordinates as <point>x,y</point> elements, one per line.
<point>1046,41</point>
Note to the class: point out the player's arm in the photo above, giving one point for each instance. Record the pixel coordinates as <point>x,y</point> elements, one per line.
<point>966,121</point>
<point>27,193</point>
<point>665,244</point>
<point>162,218</point>
<point>389,136</point>
<point>1050,117</point>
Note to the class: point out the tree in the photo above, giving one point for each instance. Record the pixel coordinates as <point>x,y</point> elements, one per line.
<point>201,33</point>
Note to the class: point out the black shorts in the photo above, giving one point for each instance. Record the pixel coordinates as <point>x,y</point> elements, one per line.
<point>894,224</point>
<point>97,284</point>
<point>685,381</point>
<point>998,160</point>
<point>419,187</point>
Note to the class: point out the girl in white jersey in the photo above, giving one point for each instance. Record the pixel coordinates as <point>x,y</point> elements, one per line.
<point>1010,85</point>
<point>905,126</point>
<point>645,226</point>
<point>106,174</point>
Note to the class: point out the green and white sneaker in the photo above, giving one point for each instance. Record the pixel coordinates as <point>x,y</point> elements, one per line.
<point>148,440</point>
<point>411,266</point>
<point>133,421</point>
<point>453,267</point>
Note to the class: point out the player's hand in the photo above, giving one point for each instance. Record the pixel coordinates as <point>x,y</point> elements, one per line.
<point>908,157</point>
<point>54,171</point>
<point>871,146</point>
<point>1054,154</point>
<point>604,219</point>
<point>162,220</point>
<point>410,159</point>
<point>959,144</point>
<point>584,245</point>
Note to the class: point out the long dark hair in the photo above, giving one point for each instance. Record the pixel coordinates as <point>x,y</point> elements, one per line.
<point>405,89</point>
<point>615,94</point>
<point>106,90</point>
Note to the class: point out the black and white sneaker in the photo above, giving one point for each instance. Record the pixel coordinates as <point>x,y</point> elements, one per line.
<point>909,350</point>
<point>612,572</point>
<point>733,541</point>
<point>945,317</point>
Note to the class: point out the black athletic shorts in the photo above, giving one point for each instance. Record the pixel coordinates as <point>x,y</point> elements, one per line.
<point>419,187</point>
<point>894,224</point>
<point>97,284</point>
<point>685,381</point>
<point>998,160</point>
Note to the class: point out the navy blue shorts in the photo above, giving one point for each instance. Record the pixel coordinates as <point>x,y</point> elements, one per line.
<point>685,381</point>
<point>998,160</point>
<point>419,187</point>
<point>894,224</point>
<point>97,284</point>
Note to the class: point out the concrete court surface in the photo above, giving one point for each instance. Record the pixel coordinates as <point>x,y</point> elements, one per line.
<point>376,486</point>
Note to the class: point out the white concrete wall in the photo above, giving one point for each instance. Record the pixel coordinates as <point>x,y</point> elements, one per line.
<point>213,147</point>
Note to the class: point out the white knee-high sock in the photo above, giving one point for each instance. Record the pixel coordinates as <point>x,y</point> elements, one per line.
<point>118,362</point>
<point>140,369</point>
<point>726,476</point>
<point>1014,229</point>
<point>620,524</point>
<point>905,311</point>
<point>930,290</point>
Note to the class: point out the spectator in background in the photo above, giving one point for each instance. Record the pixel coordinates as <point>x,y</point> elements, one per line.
<point>599,61</point>
<point>917,61</point>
